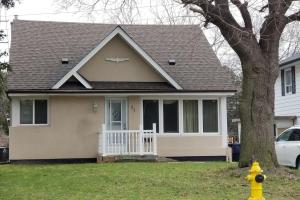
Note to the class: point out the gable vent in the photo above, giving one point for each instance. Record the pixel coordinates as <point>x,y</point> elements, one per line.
<point>172,62</point>
<point>64,61</point>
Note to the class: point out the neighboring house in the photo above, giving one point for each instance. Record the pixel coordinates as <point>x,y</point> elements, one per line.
<point>79,91</point>
<point>287,94</point>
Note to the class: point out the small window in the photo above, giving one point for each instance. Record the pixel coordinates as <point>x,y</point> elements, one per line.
<point>210,116</point>
<point>288,81</point>
<point>34,111</point>
<point>170,109</point>
<point>190,116</point>
<point>26,112</point>
<point>41,113</point>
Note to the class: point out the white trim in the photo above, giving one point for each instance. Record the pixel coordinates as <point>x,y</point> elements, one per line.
<point>185,94</point>
<point>16,111</point>
<point>180,105</point>
<point>82,80</point>
<point>117,31</point>
<point>223,113</point>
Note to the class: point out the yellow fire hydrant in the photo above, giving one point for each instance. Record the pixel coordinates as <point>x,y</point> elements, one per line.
<point>256,179</point>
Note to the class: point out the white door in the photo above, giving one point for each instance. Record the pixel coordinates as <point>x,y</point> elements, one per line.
<point>116,119</point>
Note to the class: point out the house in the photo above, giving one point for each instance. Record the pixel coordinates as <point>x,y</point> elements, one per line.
<point>82,90</point>
<point>287,96</point>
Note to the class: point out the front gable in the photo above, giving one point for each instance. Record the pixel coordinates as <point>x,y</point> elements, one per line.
<point>139,68</point>
<point>117,61</point>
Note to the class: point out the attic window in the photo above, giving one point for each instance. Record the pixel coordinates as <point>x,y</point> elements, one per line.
<point>172,62</point>
<point>64,61</point>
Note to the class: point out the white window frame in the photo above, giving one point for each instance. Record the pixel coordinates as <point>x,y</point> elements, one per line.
<point>18,121</point>
<point>285,81</point>
<point>180,112</point>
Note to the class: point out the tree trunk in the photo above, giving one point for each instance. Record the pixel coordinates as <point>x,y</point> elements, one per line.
<point>257,113</point>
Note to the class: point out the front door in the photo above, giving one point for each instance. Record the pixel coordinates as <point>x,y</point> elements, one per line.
<point>116,120</point>
<point>116,114</point>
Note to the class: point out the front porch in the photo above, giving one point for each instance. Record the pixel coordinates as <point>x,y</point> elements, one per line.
<point>127,142</point>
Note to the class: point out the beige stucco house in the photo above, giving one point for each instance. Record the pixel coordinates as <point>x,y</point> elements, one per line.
<point>79,91</point>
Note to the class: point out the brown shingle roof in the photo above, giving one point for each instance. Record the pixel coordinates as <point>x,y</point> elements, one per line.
<point>37,48</point>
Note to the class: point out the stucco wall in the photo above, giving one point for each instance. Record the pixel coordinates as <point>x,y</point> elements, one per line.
<point>190,146</point>
<point>134,70</point>
<point>133,112</point>
<point>71,133</point>
<point>73,127</point>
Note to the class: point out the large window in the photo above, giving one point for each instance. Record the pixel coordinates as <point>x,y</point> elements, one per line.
<point>150,116</point>
<point>190,116</point>
<point>34,111</point>
<point>170,116</point>
<point>210,116</point>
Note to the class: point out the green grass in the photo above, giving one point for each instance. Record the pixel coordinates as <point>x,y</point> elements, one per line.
<point>201,181</point>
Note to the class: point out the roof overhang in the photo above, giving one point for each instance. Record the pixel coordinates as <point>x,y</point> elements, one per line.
<point>120,32</point>
<point>116,93</point>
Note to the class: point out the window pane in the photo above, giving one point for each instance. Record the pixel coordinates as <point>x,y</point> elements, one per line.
<point>288,77</point>
<point>170,116</point>
<point>285,135</point>
<point>26,112</point>
<point>41,112</point>
<point>150,110</point>
<point>295,136</point>
<point>210,116</point>
<point>115,111</point>
<point>190,116</point>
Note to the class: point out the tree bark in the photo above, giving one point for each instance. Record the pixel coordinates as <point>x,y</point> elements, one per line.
<point>257,112</point>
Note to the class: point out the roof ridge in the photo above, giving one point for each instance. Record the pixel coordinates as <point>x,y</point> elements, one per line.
<point>108,24</point>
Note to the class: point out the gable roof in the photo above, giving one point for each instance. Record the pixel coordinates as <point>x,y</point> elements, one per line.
<point>289,60</point>
<point>37,48</point>
<point>120,32</point>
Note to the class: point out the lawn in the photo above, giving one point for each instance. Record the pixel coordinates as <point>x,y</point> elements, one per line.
<point>201,181</point>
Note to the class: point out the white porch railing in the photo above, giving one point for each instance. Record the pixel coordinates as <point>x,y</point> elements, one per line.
<point>128,142</point>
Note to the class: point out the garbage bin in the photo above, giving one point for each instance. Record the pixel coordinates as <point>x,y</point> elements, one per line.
<point>4,154</point>
<point>235,152</point>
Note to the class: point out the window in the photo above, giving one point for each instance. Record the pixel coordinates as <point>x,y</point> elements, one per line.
<point>295,136</point>
<point>170,116</point>
<point>285,135</point>
<point>288,81</point>
<point>26,112</point>
<point>150,114</point>
<point>190,116</point>
<point>34,111</point>
<point>210,116</point>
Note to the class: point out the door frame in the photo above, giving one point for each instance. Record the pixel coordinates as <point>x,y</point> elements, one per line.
<point>108,100</point>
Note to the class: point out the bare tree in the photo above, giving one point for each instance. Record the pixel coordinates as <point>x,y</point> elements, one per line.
<point>253,30</point>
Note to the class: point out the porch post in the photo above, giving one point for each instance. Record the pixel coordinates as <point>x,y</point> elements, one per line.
<point>154,139</point>
<point>141,133</point>
<point>103,140</point>
<point>223,110</point>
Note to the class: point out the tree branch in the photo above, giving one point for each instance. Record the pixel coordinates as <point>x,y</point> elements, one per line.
<point>243,7</point>
<point>294,17</point>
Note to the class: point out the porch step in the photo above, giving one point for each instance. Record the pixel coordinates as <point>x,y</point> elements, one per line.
<point>127,158</point>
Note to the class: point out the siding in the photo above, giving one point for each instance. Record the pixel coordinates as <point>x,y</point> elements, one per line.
<point>288,105</point>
